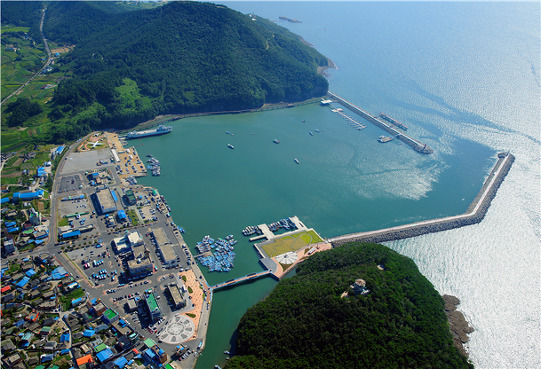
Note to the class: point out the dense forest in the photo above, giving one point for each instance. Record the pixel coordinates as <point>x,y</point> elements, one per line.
<point>306,323</point>
<point>182,57</point>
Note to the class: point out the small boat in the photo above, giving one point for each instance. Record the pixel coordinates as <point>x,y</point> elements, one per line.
<point>276,141</point>
<point>227,352</point>
<point>217,366</point>
<point>384,139</point>
<point>303,121</point>
<point>231,146</point>
<point>311,134</point>
<point>182,230</point>
<point>149,156</point>
<point>253,133</point>
<point>227,132</point>
<point>317,130</point>
<point>297,161</point>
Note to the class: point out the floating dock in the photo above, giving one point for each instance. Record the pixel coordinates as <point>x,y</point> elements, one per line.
<point>416,145</point>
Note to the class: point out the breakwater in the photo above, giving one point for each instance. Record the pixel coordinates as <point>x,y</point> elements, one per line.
<point>474,214</point>
<point>416,145</point>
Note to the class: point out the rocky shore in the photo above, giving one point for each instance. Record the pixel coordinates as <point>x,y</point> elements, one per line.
<point>457,323</point>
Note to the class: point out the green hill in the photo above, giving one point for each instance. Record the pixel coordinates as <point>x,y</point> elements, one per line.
<point>182,57</point>
<point>305,323</point>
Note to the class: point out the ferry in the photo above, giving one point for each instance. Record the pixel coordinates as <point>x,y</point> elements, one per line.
<point>276,141</point>
<point>297,161</point>
<point>161,130</point>
<point>384,139</point>
<point>231,146</point>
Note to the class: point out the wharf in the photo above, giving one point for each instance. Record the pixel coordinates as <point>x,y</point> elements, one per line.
<point>474,214</point>
<point>416,145</point>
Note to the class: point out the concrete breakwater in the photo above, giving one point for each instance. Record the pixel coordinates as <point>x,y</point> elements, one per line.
<point>474,214</point>
<point>416,145</point>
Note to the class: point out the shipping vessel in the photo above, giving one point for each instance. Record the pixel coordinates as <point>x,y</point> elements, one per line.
<point>384,139</point>
<point>161,130</point>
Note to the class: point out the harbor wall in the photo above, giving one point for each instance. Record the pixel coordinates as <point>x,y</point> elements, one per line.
<point>417,146</point>
<point>474,214</point>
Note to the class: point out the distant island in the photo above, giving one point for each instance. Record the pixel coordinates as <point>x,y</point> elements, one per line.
<point>355,306</point>
<point>126,64</point>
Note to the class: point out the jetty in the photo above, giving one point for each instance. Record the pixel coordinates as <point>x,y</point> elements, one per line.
<point>388,127</point>
<point>246,278</point>
<point>474,214</point>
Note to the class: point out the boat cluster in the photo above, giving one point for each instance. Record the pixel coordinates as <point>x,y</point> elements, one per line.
<point>250,230</point>
<point>222,257</point>
<point>285,223</point>
<point>154,166</point>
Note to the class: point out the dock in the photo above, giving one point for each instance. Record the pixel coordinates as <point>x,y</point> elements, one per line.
<point>416,145</point>
<point>474,214</point>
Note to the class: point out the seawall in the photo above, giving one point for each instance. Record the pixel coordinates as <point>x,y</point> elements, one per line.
<point>416,145</point>
<point>474,214</point>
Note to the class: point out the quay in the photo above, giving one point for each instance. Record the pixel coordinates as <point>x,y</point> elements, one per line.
<point>246,278</point>
<point>416,145</point>
<point>474,214</point>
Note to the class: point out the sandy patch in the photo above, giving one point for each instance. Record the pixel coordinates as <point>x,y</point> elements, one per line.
<point>198,297</point>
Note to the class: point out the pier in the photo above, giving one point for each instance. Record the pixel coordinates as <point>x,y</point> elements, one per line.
<point>233,282</point>
<point>416,145</point>
<point>474,214</point>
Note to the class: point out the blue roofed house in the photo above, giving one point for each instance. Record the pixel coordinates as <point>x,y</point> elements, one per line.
<point>89,333</point>
<point>121,362</point>
<point>30,273</point>
<point>104,355</point>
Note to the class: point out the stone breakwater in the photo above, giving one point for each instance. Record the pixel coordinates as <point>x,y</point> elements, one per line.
<point>474,214</point>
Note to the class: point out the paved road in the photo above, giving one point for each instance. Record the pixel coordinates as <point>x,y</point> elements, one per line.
<point>49,59</point>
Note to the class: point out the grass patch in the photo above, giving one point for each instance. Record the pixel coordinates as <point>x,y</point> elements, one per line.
<point>292,242</point>
<point>134,219</point>
<point>190,290</point>
<point>63,222</point>
<point>191,315</point>
<point>184,278</point>
<point>66,299</point>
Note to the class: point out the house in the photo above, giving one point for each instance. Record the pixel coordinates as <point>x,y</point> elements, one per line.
<point>84,360</point>
<point>13,360</point>
<point>50,346</point>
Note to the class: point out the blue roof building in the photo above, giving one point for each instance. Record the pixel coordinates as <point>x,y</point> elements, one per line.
<point>121,215</point>
<point>23,282</point>
<point>11,224</point>
<point>27,195</point>
<point>59,273</point>
<point>104,355</point>
<point>30,273</point>
<point>71,234</point>
<point>89,333</point>
<point>13,229</point>
<point>65,337</point>
<point>41,172</point>
<point>121,362</point>
<point>4,200</point>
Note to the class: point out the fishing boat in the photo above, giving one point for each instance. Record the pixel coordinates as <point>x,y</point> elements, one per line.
<point>317,130</point>
<point>311,134</point>
<point>276,141</point>
<point>297,161</point>
<point>227,132</point>
<point>231,146</point>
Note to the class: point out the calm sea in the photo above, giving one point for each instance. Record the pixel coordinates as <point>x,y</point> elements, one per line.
<point>465,78</point>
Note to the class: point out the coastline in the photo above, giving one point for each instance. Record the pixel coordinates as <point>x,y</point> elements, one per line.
<point>458,325</point>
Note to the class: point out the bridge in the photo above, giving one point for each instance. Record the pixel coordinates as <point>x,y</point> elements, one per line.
<point>235,281</point>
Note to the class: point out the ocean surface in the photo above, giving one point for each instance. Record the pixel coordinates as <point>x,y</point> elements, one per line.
<point>465,79</point>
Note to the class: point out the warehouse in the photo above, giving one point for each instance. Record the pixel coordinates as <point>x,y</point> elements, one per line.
<point>104,202</point>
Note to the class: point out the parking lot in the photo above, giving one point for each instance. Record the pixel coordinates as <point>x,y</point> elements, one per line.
<point>71,183</point>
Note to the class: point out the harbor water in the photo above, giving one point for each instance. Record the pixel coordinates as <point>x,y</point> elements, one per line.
<point>464,78</point>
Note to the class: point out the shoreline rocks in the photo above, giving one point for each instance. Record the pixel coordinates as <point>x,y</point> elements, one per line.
<point>457,323</point>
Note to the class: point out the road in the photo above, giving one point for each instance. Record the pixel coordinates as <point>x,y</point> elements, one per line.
<point>49,59</point>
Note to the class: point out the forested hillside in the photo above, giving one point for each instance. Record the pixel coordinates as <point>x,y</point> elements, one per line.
<point>306,323</point>
<point>182,57</point>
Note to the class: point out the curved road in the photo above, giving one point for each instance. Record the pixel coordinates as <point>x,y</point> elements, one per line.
<point>49,59</point>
